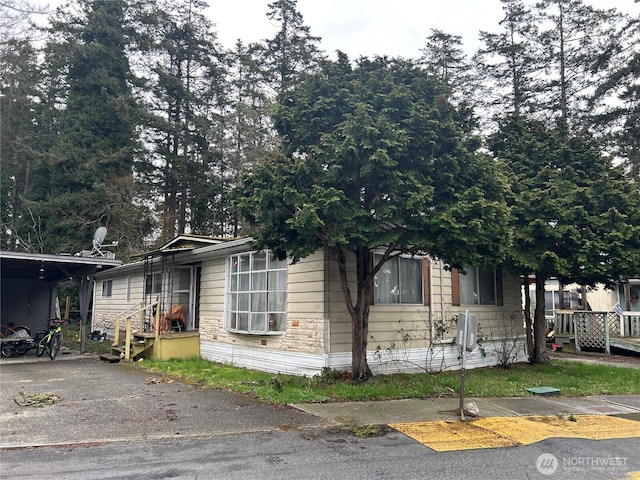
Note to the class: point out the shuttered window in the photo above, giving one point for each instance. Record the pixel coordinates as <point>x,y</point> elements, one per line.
<point>476,287</point>
<point>426,280</point>
<point>400,280</point>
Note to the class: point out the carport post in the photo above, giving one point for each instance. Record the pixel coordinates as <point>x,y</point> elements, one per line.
<point>85,284</point>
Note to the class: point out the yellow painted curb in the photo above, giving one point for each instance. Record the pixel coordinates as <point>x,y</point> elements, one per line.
<point>496,432</point>
<point>446,436</point>
<point>536,428</point>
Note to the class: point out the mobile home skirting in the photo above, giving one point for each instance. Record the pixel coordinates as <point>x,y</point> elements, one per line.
<point>416,360</point>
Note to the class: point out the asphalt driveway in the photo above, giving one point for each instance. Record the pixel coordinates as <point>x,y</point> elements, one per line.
<point>103,402</point>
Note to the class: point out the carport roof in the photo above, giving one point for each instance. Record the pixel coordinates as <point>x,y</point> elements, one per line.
<point>20,265</point>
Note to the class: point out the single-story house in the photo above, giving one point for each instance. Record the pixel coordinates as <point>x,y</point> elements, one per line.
<point>599,298</point>
<point>251,310</point>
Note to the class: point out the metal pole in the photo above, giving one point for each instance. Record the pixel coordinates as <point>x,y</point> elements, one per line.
<point>463,348</point>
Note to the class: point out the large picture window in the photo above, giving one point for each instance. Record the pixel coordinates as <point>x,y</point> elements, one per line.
<point>478,287</point>
<point>256,293</point>
<point>398,281</point>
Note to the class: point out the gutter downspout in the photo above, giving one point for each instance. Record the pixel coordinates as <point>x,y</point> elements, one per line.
<point>431,297</point>
<point>441,291</point>
<point>327,308</point>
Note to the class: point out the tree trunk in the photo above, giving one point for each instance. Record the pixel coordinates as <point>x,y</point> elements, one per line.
<point>527,316</point>
<point>563,77</point>
<point>539,353</point>
<point>360,370</point>
<point>359,312</point>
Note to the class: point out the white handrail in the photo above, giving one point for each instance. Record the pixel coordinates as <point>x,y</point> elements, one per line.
<point>126,314</point>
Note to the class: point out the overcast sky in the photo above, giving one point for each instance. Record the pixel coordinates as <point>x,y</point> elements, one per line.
<point>374,27</point>
<point>361,27</point>
<point>370,27</point>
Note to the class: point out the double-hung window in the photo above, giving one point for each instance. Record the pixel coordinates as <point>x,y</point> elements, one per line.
<point>478,287</point>
<point>107,287</point>
<point>128,288</point>
<point>256,293</point>
<point>551,303</point>
<point>398,281</point>
<point>153,283</point>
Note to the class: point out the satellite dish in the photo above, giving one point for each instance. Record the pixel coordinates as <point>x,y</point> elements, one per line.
<point>98,238</point>
<point>100,235</point>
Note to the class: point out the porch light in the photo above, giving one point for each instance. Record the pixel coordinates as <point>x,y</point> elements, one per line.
<point>41,272</point>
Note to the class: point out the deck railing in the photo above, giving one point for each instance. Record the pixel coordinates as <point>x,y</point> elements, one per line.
<point>127,315</point>
<point>594,329</point>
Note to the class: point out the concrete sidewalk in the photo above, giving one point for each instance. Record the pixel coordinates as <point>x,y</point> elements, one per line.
<point>433,409</point>
<point>448,408</point>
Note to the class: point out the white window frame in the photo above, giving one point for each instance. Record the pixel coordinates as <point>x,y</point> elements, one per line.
<point>156,283</point>
<point>398,295</point>
<point>551,303</point>
<point>107,288</point>
<point>129,288</point>
<point>256,294</point>
<point>473,276</point>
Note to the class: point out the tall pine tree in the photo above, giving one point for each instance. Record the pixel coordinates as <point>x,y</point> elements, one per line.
<point>88,179</point>
<point>22,142</point>
<point>577,217</point>
<point>293,50</point>
<point>575,37</point>
<point>508,64</point>
<point>182,82</point>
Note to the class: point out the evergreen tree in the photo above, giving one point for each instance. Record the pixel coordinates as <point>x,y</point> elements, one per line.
<point>251,136</point>
<point>373,159</point>
<point>574,40</point>
<point>21,141</point>
<point>443,56</point>
<point>88,178</point>
<point>577,217</point>
<point>618,96</point>
<point>293,50</point>
<point>509,63</point>
<point>182,84</point>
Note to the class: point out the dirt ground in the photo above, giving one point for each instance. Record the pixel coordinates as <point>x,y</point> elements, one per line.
<point>590,357</point>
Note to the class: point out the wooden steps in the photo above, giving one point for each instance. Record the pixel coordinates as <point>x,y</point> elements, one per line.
<point>140,346</point>
<point>110,357</point>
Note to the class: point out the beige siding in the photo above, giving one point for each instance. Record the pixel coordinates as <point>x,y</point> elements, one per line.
<point>318,330</point>
<point>306,323</point>
<point>212,288</point>
<point>106,309</point>
<point>305,288</point>
<point>414,326</point>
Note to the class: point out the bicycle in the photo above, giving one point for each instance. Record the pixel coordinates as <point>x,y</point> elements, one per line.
<point>51,340</point>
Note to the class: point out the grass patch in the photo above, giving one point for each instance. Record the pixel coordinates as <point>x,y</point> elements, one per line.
<point>360,430</point>
<point>71,340</point>
<point>572,378</point>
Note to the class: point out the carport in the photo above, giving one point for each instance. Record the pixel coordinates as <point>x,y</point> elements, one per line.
<point>29,283</point>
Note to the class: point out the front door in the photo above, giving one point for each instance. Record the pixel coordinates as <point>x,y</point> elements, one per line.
<point>183,292</point>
